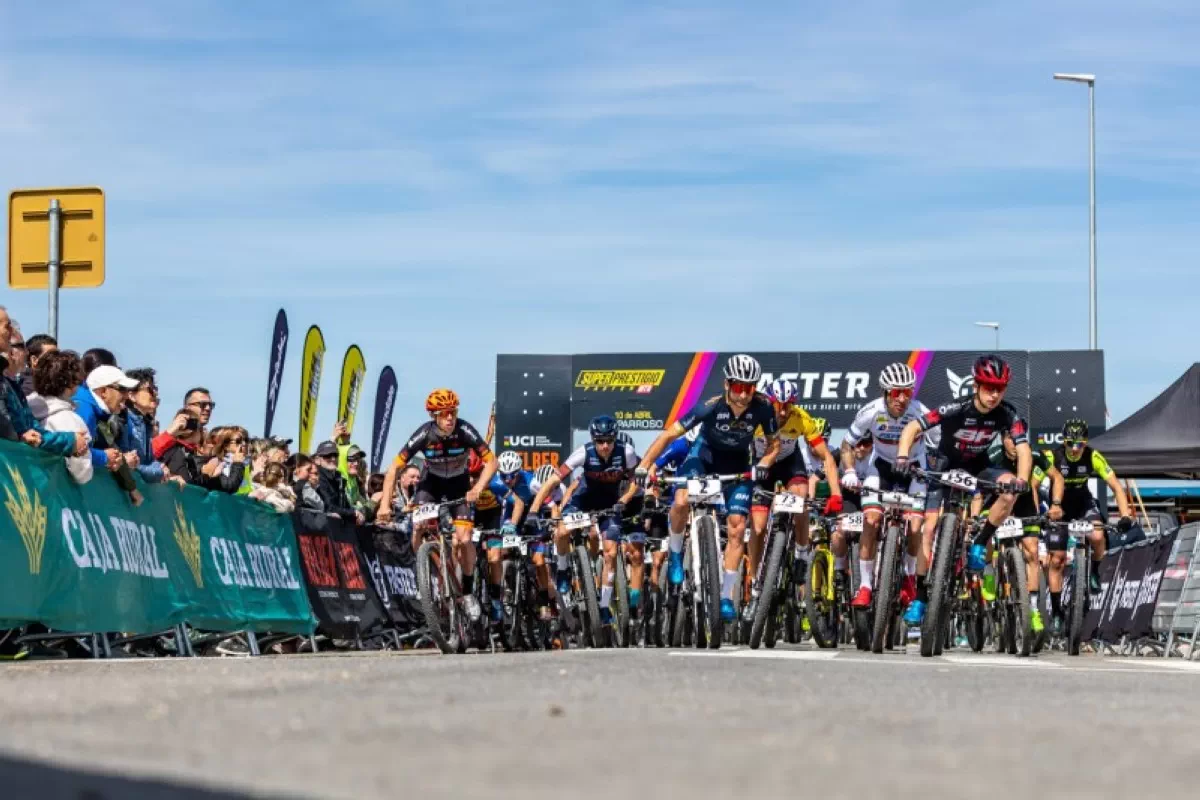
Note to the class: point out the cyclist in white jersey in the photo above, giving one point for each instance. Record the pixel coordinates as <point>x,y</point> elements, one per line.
<point>883,420</point>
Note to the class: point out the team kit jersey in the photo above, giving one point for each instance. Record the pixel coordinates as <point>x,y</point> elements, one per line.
<point>446,454</point>
<point>600,486</point>
<point>1078,502</point>
<point>885,430</point>
<point>724,441</point>
<point>796,427</point>
<point>967,432</point>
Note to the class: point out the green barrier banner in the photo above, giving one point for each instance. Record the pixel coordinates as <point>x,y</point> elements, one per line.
<point>83,558</point>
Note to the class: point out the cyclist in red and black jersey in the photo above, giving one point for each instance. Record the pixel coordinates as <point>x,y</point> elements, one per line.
<point>968,427</point>
<point>446,443</point>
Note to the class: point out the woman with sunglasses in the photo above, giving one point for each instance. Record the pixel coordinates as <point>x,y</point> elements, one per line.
<point>226,466</point>
<point>883,421</point>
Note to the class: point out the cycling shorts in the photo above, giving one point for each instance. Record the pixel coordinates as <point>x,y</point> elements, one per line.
<point>1024,507</point>
<point>1079,507</point>
<point>882,477</point>
<point>488,519</point>
<point>609,524</point>
<point>435,489</point>
<point>982,469</point>
<point>737,493</point>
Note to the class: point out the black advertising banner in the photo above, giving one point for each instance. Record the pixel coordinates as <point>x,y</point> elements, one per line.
<point>533,407</point>
<point>278,355</point>
<point>385,403</point>
<point>1129,607</point>
<point>649,391</point>
<point>392,566</point>
<point>336,574</point>
<point>1099,602</point>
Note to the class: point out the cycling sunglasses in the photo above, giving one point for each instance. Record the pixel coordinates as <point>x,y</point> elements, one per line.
<point>740,387</point>
<point>1075,442</point>
<point>604,440</point>
<point>899,394</point>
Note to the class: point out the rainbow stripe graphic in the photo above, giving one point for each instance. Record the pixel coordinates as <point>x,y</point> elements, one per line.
<point>918,362</point>
<point>692,386</point>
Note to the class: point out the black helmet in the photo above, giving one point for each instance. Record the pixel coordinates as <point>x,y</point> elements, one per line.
<point>1075,429</point>
<point>603,426</point>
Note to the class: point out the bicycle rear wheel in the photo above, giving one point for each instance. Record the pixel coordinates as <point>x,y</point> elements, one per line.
<point>941,584</point>
<point>1023,611</point>
<point>593,631</point>
<point>885,594</point>
<point>1079,600</point>
<point>442,619</point>
<point>620,601</point>
<point>777,546</point>
<point>822,606</point>
<point>710,580</point>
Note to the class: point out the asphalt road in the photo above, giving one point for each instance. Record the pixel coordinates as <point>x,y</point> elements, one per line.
<point>782,723</point>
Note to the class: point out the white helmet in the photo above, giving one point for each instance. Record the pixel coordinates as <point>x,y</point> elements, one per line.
<point>509,462</point>
<point>897,376</point>
<point>743,368</point>
<point>693,433</point>
<point>544,472</point>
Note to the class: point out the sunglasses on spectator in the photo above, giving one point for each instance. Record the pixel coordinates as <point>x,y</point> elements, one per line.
<point>17,345</point>
<point>238,440</point>
<point>203,404</point>
<point>740,387</point>
<point>899,394</point>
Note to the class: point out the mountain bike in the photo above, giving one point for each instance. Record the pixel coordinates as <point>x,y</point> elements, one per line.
<point>947,574</point>
<point>824,603</point>
<point>775,580</point>
<point>885,607</point>
<point>702,558</point>
<point>584,602</point>
<point>1014,609</point>
<point>521,627</point>
<point>1078,598</point>
<point>439,580</point>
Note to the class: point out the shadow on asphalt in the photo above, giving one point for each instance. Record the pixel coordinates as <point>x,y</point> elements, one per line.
<point>22,778</point>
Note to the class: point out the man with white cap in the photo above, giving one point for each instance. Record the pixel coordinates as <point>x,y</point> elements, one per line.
<point>97,402</point>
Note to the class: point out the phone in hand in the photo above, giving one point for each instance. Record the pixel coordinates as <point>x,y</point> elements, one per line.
<point>192,425</point>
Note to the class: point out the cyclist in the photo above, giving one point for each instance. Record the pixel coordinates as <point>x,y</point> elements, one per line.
<point>729,421</point>
<point>669,461</point>
<point>1071,500</point>
<point>851,503</point>
<point>604,466</point>
<point>802,446</point>
<point>512,488</point>
<point>967,428</point>
<point>819,489</point>
<point>883,420</point>
<point>446,442</point>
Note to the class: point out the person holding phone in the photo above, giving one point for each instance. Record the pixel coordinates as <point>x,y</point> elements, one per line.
<point>178,445</point>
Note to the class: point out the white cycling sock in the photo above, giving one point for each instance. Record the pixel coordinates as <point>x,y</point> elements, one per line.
<point>802,552</point>
<point>606,596</point>
<point>676,543</point>
<point>866,571</point>
<point>910,564</point>
<point>727,583</point>
<point>564,562</point>
<point>839,562</point>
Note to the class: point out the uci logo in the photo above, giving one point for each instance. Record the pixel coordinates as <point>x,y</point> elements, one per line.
<point>518,441</point>
<point>1050,438</point>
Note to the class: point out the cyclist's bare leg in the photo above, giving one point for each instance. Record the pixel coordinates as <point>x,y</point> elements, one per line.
<point>1099,543</point>
<point>735,547</point>
<point>464,548</point>
<point>1056,565</point>
<point>636,553</point>
<point>542,570</point>
<point>1033,573</point>
<point>872,519</point>
<point>495,559</point>
<point>608,573</point>
<point>562,548</point>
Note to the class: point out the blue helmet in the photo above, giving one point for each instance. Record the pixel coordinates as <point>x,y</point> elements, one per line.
<point>603,426</point>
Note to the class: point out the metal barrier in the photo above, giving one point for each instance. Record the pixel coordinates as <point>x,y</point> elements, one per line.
<point>1178,610</point>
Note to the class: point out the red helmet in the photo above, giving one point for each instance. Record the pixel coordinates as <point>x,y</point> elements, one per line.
<point>441,400</point>
<point>991,371</point>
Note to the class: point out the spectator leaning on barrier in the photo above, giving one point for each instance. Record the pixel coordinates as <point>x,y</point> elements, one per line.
<point>20,420</point>
<point>137,420</point>
<point>35,347</point>
<point>98,402</point>
<point>331,486</point>
<point>273,490</point>
<point>226,467</point>
<point>56,377</point>
<point>178,446</point>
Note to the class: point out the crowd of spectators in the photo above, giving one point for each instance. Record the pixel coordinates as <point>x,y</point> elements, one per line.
<point>102,418</point>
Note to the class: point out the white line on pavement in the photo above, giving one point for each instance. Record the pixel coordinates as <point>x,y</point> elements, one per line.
<point>787,655</point>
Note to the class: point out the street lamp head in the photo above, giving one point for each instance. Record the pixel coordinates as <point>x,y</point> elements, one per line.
<point>992,325</point>
<point>1076,77</point>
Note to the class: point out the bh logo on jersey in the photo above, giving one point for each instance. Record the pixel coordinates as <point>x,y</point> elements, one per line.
<point>960,387</point>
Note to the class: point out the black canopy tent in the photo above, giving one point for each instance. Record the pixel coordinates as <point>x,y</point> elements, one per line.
<point>1162,438</point>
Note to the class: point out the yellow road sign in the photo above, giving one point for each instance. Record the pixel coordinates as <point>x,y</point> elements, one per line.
<point>82,251</point>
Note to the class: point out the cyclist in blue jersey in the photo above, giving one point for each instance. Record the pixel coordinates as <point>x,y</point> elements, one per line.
<point>605,464</point>
<point>723,447</point>
<point>512,486</point>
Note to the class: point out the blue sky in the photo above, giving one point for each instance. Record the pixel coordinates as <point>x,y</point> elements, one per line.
<point>441,183</point>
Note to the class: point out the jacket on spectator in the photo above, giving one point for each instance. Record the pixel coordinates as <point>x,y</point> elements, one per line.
<point>179,457</point>
<point>332,490</point>
<point>307,498</point>
<point>58,442</point>
<point>92,413</point>
<point>135,437</point>
<point>61,416</point>
<point>281,498</point>
<point>7,431</point>
<point>228,480</point>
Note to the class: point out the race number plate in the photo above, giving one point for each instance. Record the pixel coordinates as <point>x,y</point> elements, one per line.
<point>961,480</point>
<point>513,541</point>
<point>900,500</point>
<point>707,491</point>
<point>1080,527</point>
<point>852,523</point>
<point>425,513</point>
<point>1010,529</point>
<point>576,521</point>
<point>788,504</point>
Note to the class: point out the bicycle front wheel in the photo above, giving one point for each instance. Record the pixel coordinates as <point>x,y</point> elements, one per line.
<point>620,601</point>
<point>822,607</point>
<point>710,579</point>
<point>1079,600</point>
<point>1023,611</point>
<point>767,591</point>
<point>592,629</point>
<point>437,602</point>
<point>941,583</point>
<point>885,595</point>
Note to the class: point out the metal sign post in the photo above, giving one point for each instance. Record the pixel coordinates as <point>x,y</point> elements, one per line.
<point>54,263</point>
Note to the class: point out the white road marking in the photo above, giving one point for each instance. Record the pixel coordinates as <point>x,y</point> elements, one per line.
<point>787,655</point>
<point>1000,661</point>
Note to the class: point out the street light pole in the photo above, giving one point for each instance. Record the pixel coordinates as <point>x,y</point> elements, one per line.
<point>995,326</point>
<point>1090,80</point>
